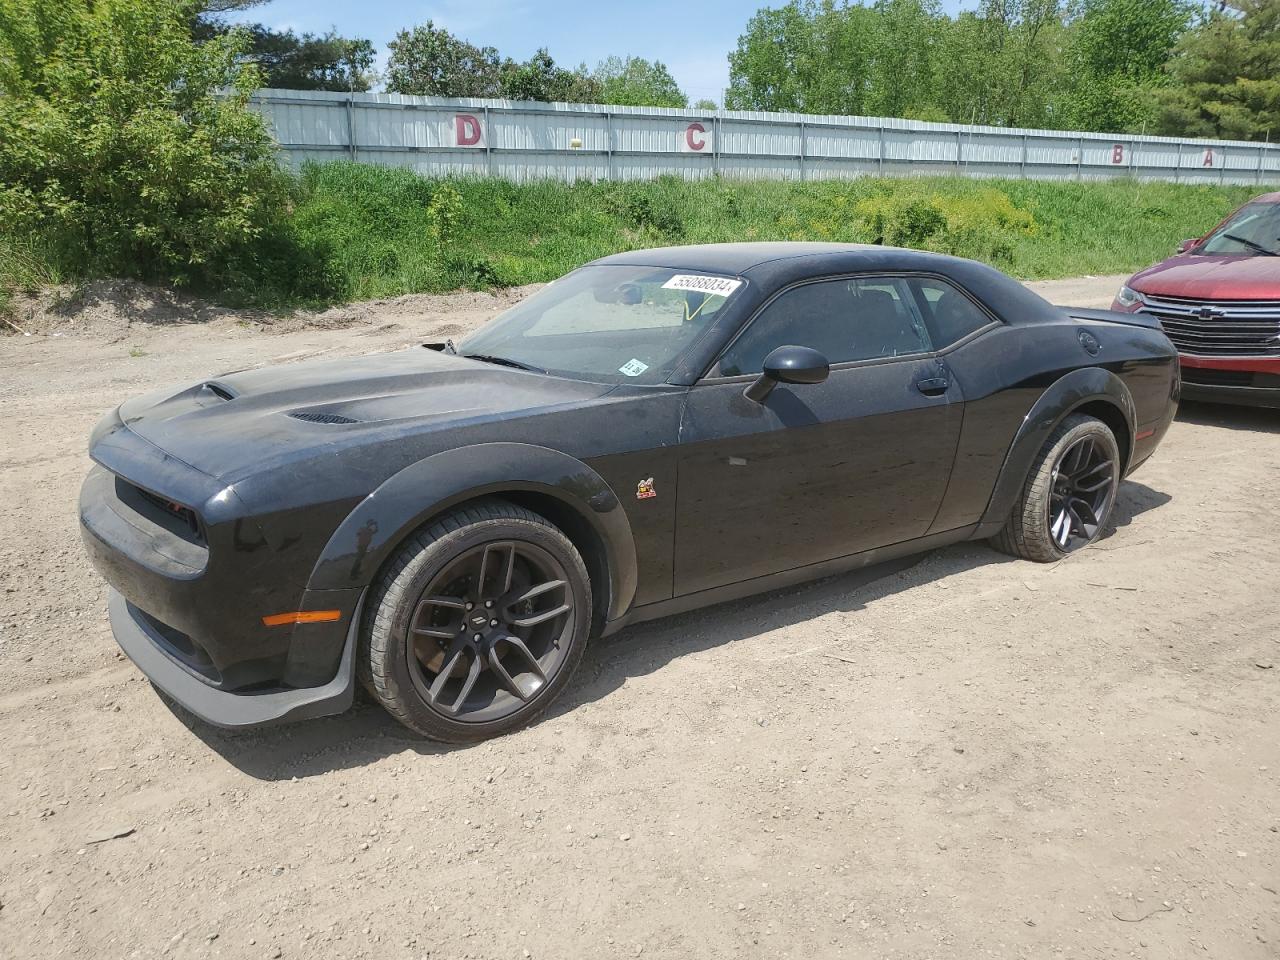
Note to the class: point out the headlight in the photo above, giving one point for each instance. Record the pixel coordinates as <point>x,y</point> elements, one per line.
<point>1127,297</point>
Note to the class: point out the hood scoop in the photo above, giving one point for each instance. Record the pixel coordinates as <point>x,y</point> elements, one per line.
<point>311,416</point>
<point>218,390</point>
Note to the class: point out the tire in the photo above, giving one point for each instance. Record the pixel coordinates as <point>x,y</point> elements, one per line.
<point>1030,530</point>
<point>419,645</point>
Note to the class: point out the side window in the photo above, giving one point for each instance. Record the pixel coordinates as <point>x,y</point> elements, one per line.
<point>860,318</point>
<point>950,314</point>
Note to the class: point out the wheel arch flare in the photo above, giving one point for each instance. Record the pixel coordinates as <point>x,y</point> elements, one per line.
<point>554,484</point>
<point>1090,390</point>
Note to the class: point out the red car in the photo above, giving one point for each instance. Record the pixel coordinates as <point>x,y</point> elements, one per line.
<point>1218,300</point>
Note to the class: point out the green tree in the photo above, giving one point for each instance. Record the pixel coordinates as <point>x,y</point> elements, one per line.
<point>1094,64</point>
<point>972,46</point>
<point>303,61</point>
<point>541,78</point>
<point>1115,61</point>
<point>1002,63</point>
<point>903,55</point>
<point>808,56</point>
<point>771,69</point>
<point>126,145</point>
<point>1226,75</point>
<point>706,103</point>
<point>636,82</point>
<point>215,7</point>
<point>430,61</point>
<point>824,56</point>
<point>287,59</point>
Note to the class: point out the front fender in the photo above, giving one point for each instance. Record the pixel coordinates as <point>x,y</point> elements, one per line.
<point>1065,395</point>
<point>378,525</point>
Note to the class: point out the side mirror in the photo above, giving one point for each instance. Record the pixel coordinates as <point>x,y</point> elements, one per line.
<point>1186,245</point>
<point>788,364</point>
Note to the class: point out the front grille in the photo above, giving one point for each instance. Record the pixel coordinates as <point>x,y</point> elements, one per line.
<point>1219,328</point>
<point>185,515</point>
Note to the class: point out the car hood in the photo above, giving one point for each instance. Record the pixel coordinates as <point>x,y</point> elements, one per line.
<point>1212,277</point>
<point>230,425</point>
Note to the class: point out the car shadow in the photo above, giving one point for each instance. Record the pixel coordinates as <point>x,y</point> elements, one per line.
<point>1230,416</point>
<point>366,734</point>
<point>1134,500</point>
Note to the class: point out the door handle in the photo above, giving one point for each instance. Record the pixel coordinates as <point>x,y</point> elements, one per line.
<point>933,386</point>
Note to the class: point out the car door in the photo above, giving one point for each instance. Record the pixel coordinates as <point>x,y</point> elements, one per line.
<point>817,471</point>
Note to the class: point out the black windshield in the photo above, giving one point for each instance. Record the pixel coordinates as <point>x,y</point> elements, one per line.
<point>614,324</point>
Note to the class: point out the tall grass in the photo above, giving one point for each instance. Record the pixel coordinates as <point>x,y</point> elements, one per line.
<point>376,227</point>
<point>355,231</point>
<point>27,263</point>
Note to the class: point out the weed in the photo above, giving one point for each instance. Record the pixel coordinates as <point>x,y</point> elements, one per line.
<point>358,231</point>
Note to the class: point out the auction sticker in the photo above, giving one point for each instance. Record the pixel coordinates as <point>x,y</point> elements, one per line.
<point>633,368</point>
<point>716,286</point>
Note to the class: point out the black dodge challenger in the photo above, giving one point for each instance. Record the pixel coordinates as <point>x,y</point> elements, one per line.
<point>655,431</point>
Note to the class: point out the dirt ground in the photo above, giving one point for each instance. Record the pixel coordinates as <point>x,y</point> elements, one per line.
<point>971,757</point>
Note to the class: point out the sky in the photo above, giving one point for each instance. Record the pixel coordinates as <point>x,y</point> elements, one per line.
<point>692,37</point>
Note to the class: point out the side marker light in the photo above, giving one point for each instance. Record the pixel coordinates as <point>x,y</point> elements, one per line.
<point>302,616</point>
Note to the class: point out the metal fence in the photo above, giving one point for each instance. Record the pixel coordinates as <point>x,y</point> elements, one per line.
<point>569,141</point>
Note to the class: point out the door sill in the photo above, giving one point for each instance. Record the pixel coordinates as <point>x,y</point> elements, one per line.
<point>875,564</point>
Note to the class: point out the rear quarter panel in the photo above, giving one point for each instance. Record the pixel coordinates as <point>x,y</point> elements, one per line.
<point>1007,371</point>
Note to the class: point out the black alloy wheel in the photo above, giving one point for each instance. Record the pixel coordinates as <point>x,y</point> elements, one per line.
<point>1083,486</point>
<point>1068,494</point>
<point>489,630</point>
<point>477,623</point>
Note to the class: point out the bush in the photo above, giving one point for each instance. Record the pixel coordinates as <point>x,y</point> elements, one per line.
<point>653,210</point>
<point>380,231</point>
<point>125,147</point>
<point>983,225</point>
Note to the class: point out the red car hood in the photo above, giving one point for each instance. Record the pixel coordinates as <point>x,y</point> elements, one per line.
<point>1212,277</point>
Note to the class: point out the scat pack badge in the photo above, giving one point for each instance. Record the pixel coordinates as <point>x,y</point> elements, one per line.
<point>645,491</point>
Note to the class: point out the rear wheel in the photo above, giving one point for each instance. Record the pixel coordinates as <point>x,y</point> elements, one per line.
<point>1068,495</point>
<point>478,623</point>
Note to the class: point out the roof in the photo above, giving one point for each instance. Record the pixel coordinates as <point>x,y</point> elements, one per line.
<point>770,267</point>
<point>737,258</point>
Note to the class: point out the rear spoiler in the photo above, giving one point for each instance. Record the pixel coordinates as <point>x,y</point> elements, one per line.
<point>1112,316</point>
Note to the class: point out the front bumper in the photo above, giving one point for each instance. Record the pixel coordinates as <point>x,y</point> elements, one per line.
<point>1248,381</point>
<point>206,587</point>
<point>1243,396</point>
<point>144,645</point>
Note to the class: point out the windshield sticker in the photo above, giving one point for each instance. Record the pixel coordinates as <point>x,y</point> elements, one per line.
<point>633,368</point>
<point>715,286</point>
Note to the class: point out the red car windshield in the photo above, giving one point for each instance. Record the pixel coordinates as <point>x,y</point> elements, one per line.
<point>1254,229</point>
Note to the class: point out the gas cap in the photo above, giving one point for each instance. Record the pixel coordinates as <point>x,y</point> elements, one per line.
<point>1090,343</point>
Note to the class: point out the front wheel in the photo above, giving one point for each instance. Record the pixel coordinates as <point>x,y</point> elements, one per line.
<point>478,623</point>
<point>1068,495</point>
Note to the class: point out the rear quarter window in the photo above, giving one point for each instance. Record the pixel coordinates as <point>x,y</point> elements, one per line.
<point>949,313</point>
